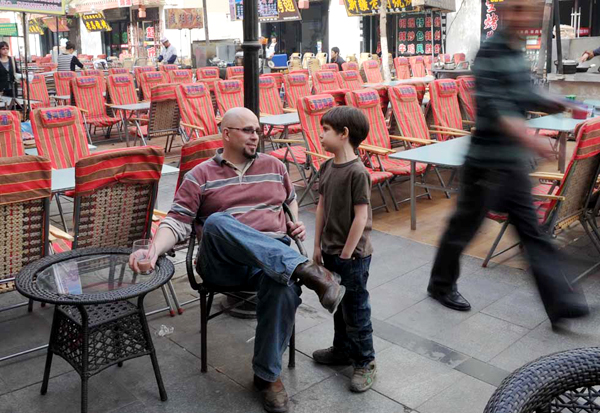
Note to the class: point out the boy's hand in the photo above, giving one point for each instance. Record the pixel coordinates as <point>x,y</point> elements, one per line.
<point>297,230</point>
<point>317,256</point>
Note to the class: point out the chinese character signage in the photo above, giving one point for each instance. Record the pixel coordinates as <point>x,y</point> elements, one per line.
<point>95,22</point>
<point>269,11</point>
<point>369,7</point>
<point>35,28</point>
<point>8,30</point>
<point>184,19</point>
<point>34,6</point>
<point>415,35</point>
<point>491,19</point>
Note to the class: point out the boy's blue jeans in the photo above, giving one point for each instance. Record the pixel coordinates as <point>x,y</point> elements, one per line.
<point>233,254</point>
<point>352,320</point>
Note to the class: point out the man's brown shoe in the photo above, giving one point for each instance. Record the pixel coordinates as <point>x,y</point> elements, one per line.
<point>323,282</point>
<point>275,398</point>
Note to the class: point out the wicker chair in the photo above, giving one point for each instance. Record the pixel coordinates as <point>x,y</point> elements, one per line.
<point>565,382</point>
<point>402,68</point>
<point>229,94</point>
<point>466,98</point>
<point>351,80</point>
<point>148,80</point>
<point>11,143</point>
<point>322,58</point>
<point>331,84</point>
<point>296,87</point>
<point>235,72</point>
<point>444,111</point>
<point>180,76</point>
<point>197,114</point>
<point>306,58</point>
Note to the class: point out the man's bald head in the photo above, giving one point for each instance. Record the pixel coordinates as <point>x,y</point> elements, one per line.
<point>238,116</point>
<point>240,128</point>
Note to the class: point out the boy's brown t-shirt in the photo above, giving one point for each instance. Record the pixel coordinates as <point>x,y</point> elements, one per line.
<point>342,186</point>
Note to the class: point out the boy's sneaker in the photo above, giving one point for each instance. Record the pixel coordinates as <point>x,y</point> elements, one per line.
<point>332,357</point>
<point>363,378</point>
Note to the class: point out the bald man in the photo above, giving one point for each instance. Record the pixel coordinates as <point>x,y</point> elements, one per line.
<point>235,200</point>
<point>495,173</point>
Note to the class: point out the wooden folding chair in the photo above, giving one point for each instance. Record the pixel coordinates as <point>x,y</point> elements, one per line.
<point>443,114</point>
<point>86,94</point>
<point>296,87</point>
<point>229,94</point>
<point>351,80</point>
<point>235,72</point>
<point>11,144</point>
<point>196,108</point>
<point>402,67</point>
<point>149,79</point>
<point>466,97</point>
<point>180,76</point>
<point>118,71</point>
<point>137,72</point>
<point>209,76</point>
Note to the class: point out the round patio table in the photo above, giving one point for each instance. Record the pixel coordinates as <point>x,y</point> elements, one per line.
<point>99,318</point>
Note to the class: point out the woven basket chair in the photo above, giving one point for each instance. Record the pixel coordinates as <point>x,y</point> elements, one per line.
<point>11,143</point>
<point>62,81</point>
<point>314,66</point>
<point>351,80</point>
<point>37,91</point>
<point>99,74</point>
<point>197,114</point>
<point>118,71</point>
<point>568,198</point>
<point>322,58</point>
<point>444,110</point>
<point>350,66</point>
<point>150,79</point>
<point>402,67</point>
<point>209,76</point>
<point>305,59</point>
<point>331,84</point>
<point>235,72</point>
<point>229,94</point>
<point>565,382</point>
<point>296,87</point>
<point>181,76</point>
<point>466,96</point>
<point>168,68</point>
<point>371,72</point>
<point>332,67</point>
<point>86,94</point>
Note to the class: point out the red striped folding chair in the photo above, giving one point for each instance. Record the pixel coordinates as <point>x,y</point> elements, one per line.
<point>351,80</point>
<point>445,58</point>
<point>421,89</point>
<point>445,110</point>
<point>350,66</point>
<point>86,94</point>
<point>296,87</point>
<point>229,94</point>
<point>37,91</point>
<point>197,114</point>
<point>310,111</point>
<point>99,74</point>
<point>150,79</point>
<point>168,68</point>
<point>11,143</point>
<point>48,67</point>
<point>235,72</point>
<point>402,68</point>
<point>62,80</point>
<point>371,72</point>
<point>278,79</point>
<point>121,91</point>
<point>137,72</point>
<point>466,96</point>
<point>417,66</point>
<point>459,57</point>
<point>330,83</point>
<point>428,63</point>
<point>197,151</point>
<point>25,191</point>
<point>208,75</point>
<point>331,67</point>
<point>180,76</point>
<point>118,71</point>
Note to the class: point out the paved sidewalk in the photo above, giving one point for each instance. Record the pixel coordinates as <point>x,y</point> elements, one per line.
<point>430,359</point>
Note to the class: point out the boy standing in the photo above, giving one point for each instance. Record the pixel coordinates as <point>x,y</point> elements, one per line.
<point>342,242</point>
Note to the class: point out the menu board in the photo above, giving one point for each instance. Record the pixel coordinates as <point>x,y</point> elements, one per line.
<point>269,11</point>
<point>34,6</point>
<point>370,7</point>
<point>8,30</point>
<point>414,34</point>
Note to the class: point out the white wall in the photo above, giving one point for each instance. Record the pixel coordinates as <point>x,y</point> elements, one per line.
<point>91,42</point>
<point>463,28</point>
<point>344,31</point>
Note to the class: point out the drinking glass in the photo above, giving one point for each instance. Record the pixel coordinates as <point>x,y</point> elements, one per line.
<point>144,262</point>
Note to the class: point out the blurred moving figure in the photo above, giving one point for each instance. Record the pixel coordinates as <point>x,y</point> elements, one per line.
<point>495,173</point>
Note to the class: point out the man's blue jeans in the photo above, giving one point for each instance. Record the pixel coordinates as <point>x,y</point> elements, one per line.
<point>232,255</point>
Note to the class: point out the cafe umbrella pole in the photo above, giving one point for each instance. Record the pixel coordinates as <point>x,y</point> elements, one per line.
<point>26,84</point>
<point>251,47</point>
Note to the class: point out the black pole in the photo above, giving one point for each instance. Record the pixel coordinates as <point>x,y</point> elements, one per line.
<point>549,45</point>
<point>559,55</point>
<point>26,84</point>
<point>251,47</point>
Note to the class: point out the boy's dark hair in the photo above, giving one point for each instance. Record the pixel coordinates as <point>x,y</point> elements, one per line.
<point>342,117</point>
<point>335,50</point>
<point>69,46</point>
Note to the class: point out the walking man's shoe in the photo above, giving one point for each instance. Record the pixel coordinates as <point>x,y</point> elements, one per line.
<point>453,300</point>
<point>332,357</point>
<point>363,378</point>
<point>324,283</point>
<point>274,396</point>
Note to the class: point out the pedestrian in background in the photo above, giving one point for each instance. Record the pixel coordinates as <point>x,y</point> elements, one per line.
<point>8,71</point>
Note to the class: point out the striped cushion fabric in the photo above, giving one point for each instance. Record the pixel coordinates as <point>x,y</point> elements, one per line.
<point>24,178</point>
<point>168,68</point>
<point>229,94</point>
<point>38,91</point>
<point>62,80</point>
<point>428,63</point>
<point>118,71</point>
<point>163,92</point>
<point>310,111</point>
<point>402,68</point>
<point>56,117</point>
<point>181,76</point>
<point>98,74</point>
<point>372,71</point>
<point>330,83</point>
<point>378,177</point>
<point>331,67</point>
<point>350,66</point>
<point>87,94</point>
<point>63,144</point>
<point>208,75</point>
<point>235,72</point>
<point>11,143</point>
<point>588,139</point>
<point>351,80</point>
<point>142,69</point>
<point>444,104</point>
<point>459,57</point>
<point>421,89</point>
<point>542,206</point>
<point>270,102</point>
<point>365,98</point>
<point>396,166</point>
<point>196,108</point>
<point>197,151</point>
<point>150,79</point>
<point>417,66</point>
<point>296,87</point>
<point>278,79</point>
<point>122,89</point>
<point>407,112</point>
<point>466,91</point>
<point>283,154</point>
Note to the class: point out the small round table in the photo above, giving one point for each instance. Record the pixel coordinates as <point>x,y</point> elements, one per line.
<point>96,323</point>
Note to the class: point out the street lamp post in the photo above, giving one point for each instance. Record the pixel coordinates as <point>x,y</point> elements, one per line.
<point>251,46</point>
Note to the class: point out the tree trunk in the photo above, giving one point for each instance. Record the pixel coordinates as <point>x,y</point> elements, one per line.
<point>385,61</point>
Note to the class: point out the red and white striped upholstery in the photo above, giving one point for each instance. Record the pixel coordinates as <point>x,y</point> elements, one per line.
<point>37,91</point>
<point>62,80</point>
<point>332,67</point>
<point>99,74</point>
<point>87,94</point>
<point>121,89</point>
<point>444,105</point>
<point>350,66</point>
<point>428,63</point>
<point>351,80</point>
<point>229,94</point>
<point>402,68</point>
<point>168,68</point>
<point>417,66</point>
<point>235,72</point>
<point>296,87</point>
<point>197,151</point>
<point>407,112</point>
<point>208,75</point>
<point>11,143</point>
<point>270,102</point>
<point>330,83</point>
<point>372,71</point>
<point>466,96</point>
<point>181,76</point>
<point>196,108</point>
<point>137,72</point>
<point>459,57</point>
<point>118,71</point>
<point>149,80</point>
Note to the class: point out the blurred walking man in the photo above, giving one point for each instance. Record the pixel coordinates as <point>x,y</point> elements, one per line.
<point>495,173</point>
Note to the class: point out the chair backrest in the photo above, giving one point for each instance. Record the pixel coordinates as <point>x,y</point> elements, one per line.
<point>196,108</point>
<point>118,71</point>
<point>99,74</point>
<point>115,192</point>
<point>48,67</point>
<point>307,56</point>
<point>333,67</point>
<point>197,151</point>
<point>466,96</point>
<point>149,80</point>
<point>59,135</point>
<point>428,59</point>
<point>421,89</point>
<point>121,90</point>
<point>324,81</point>
<point>580,177</point>
<point>363,58</point>
<point>350,66</point>
<point>278,79</point>
<point>62,80</point>
<point>137,71</point>
<point>11,143</point>
<point>313,65</point>
<point>86,93</point>
<point>310,111</point>
<point>296,87</point>
<point>351,79</point>
<point>295,63</point>
<point>351,58</point>
<point>459,57</point>
<point>25,191</point>
<point>407,112</point>
<point>322,58</point>
<point>417,66</point>
<point>444,104</point>
<point>168,68</point>
<point>369,103</point>
<point>402,68</point>
<point>270,102</point>
<point>181,76</point>
<point>444,58</point>
<point>372,72</point>
<point>38,91</point>
<point>208,75</point>
<point>229,94</point>
<point>164,115</point>
<point>235,72</point>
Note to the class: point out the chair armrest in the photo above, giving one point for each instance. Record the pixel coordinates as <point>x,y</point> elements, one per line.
<point>549,176</point>
<point>110,105</point>
<point>84,110</point>
<point>290,110</point>
<point>60,234</point>
<point>549,197</point>
<point>287,140</point>
<point>447,128</point>
<point>318,155</point>
<point>413,140</point>
<point>139,119</point>
<point>468,122</point>
<point>447,132</point>
<point>187,125</point>
<point>265,114</point>
<point>158,214</point>
<point>376,149</point>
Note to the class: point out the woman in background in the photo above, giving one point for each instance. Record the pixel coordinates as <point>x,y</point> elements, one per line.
<point>8,69</point>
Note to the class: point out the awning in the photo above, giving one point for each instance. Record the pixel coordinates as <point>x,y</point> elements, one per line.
<point>86,6</point>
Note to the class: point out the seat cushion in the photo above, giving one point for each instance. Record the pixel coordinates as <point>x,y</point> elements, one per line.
<point>378,177</point>
<point>102,120</point>
<point>283,154</point>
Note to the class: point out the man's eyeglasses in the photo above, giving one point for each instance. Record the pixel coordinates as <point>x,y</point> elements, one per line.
<point>248,130</point>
